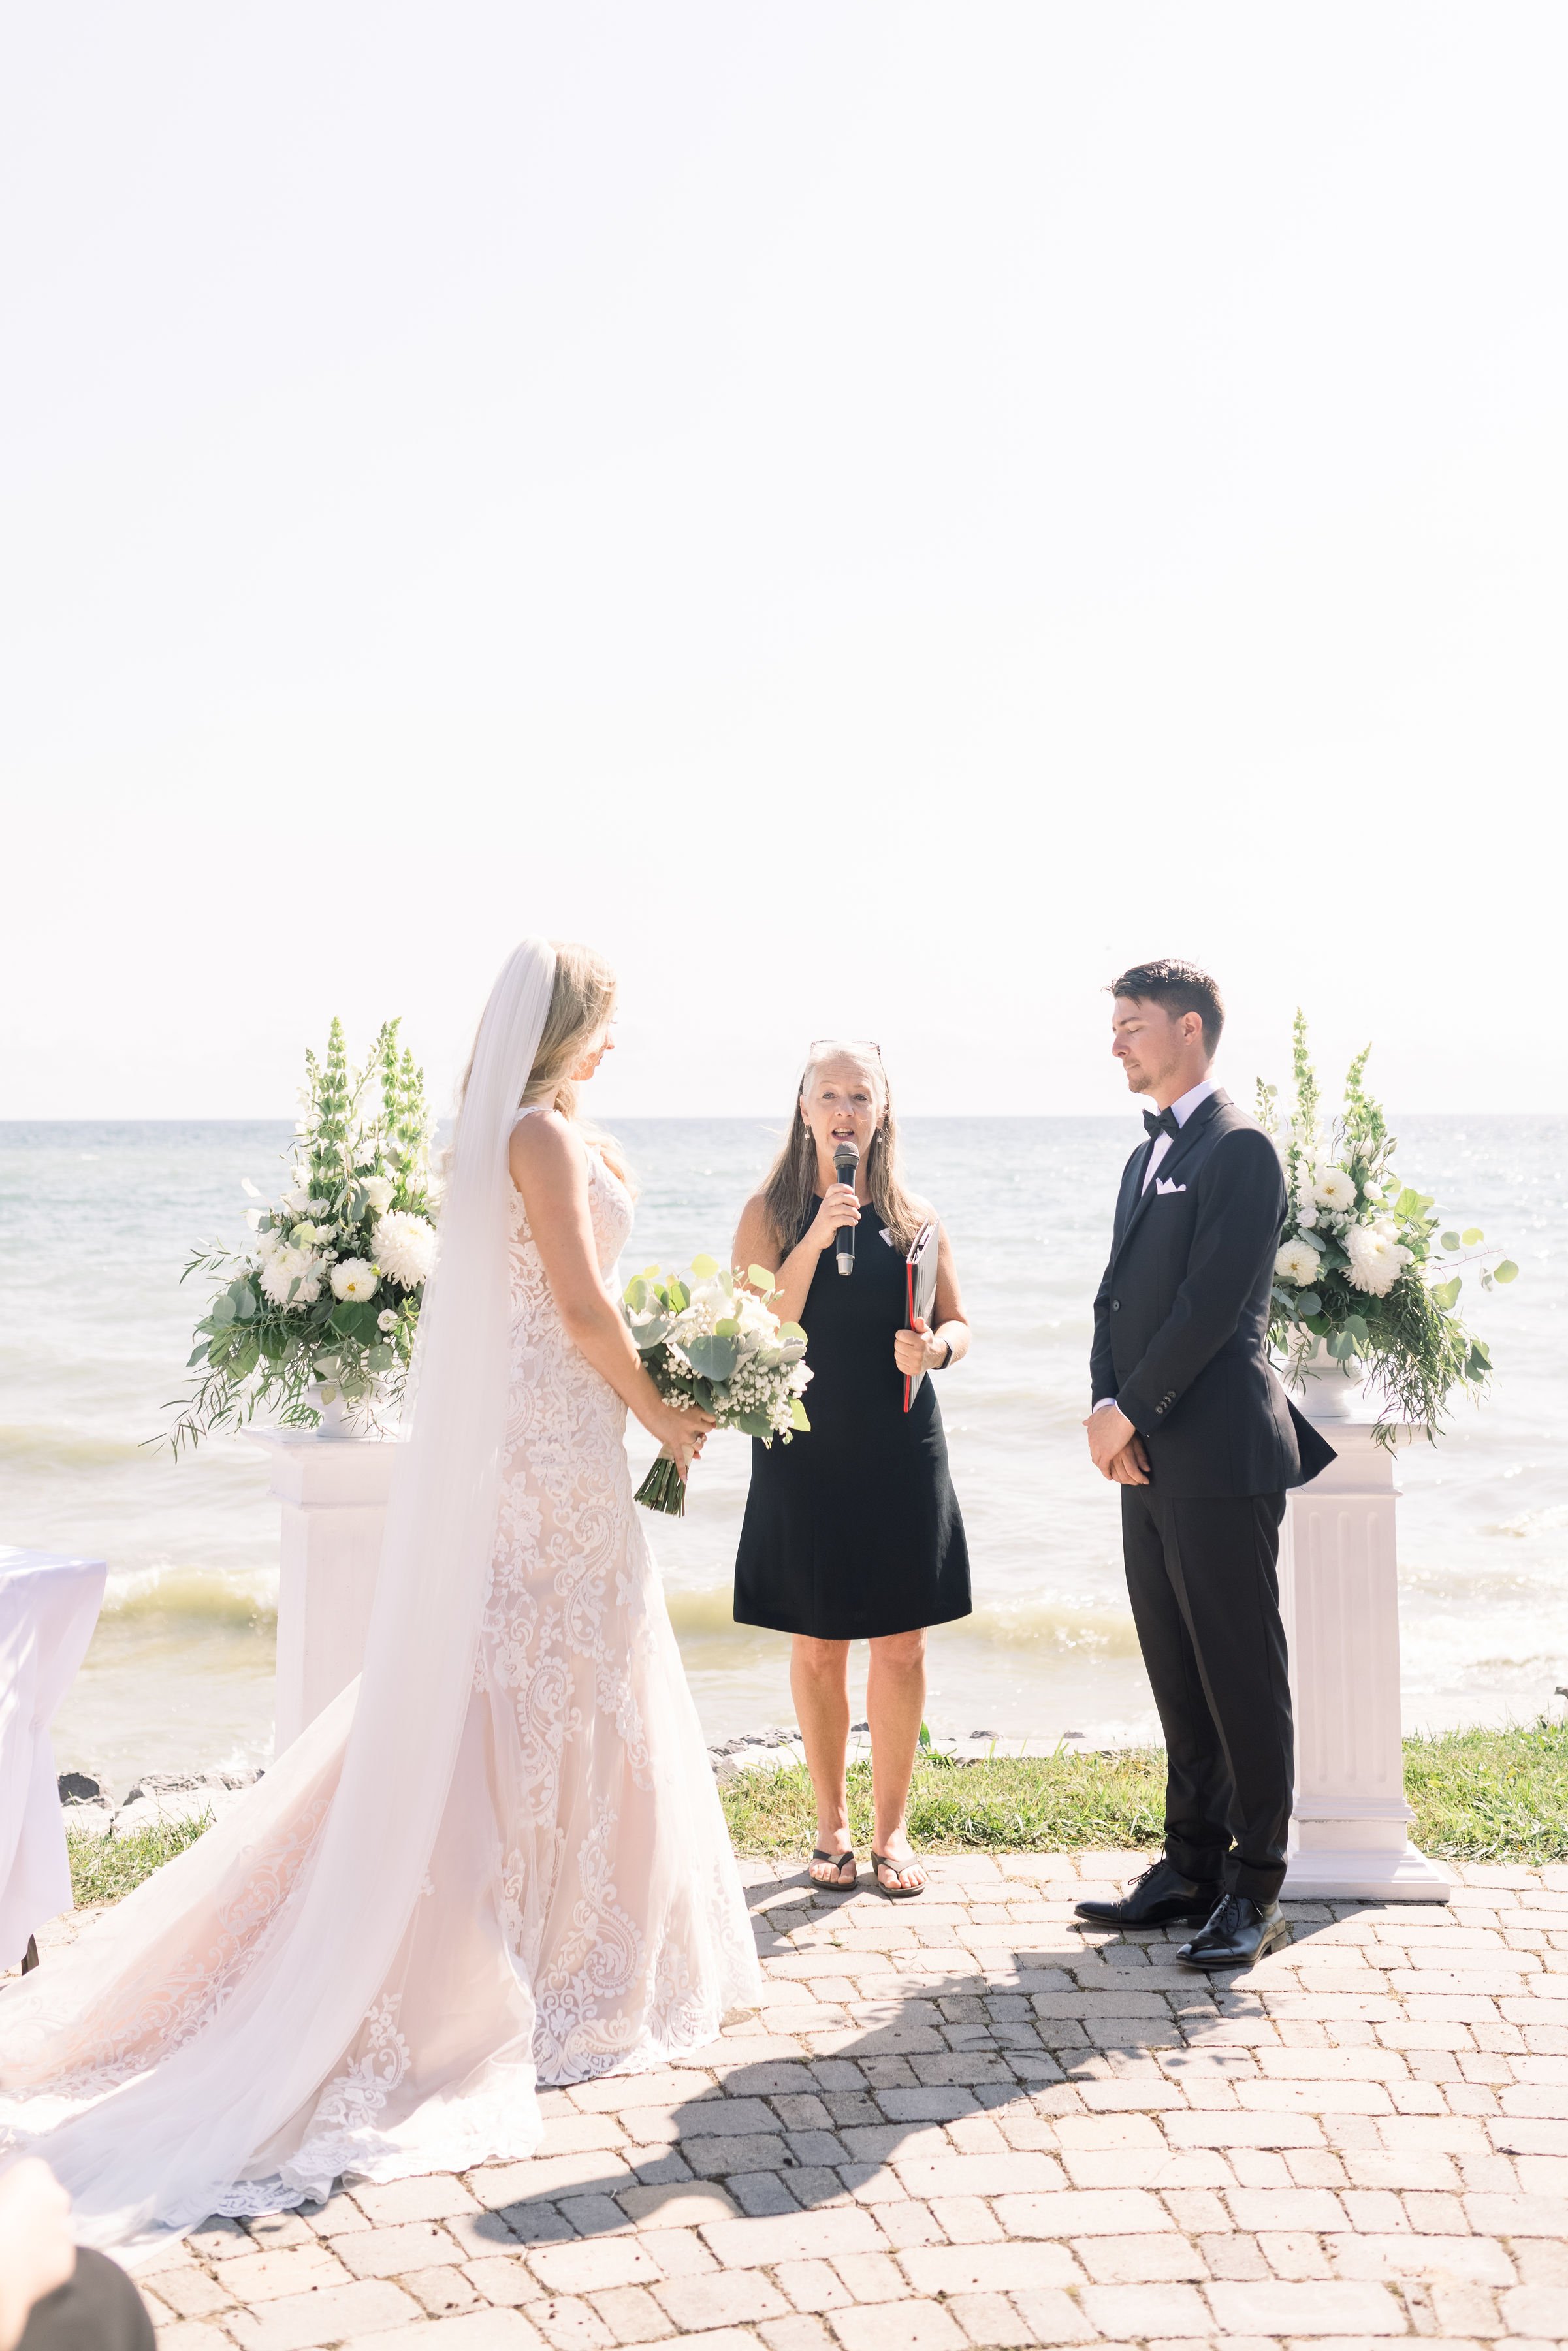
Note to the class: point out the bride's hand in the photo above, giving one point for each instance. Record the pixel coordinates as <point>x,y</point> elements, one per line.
<point>681,1433</point>
<point>838,1207</point>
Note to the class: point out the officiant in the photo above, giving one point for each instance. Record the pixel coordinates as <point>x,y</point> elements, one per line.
<point>852,1532</point>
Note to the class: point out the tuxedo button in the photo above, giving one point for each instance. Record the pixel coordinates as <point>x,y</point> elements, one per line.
<point>1115,1306</point>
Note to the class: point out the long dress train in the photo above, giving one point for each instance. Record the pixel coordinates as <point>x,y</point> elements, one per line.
<point>580,1912</point>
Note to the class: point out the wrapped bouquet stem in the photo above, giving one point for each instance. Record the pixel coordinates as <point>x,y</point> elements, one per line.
<point>713,1343</point>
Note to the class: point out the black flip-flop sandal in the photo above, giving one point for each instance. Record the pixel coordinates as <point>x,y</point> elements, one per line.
<point>879,1862</point>
<point>840,1861</point>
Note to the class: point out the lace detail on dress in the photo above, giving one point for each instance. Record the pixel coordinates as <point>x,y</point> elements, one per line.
<point>151,2010</point>
<point>579,1911</point>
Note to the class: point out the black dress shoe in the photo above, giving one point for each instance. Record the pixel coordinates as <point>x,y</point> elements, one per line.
<point>1156,1899</point>
<point>1239,1932</point>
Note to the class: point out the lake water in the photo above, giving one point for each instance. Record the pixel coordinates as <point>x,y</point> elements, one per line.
<point>96,1222</point>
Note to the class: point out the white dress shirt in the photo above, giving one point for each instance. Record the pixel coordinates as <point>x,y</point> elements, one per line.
<point>1182,1110</point>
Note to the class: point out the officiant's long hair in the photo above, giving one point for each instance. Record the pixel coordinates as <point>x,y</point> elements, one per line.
<point>792,1183</point>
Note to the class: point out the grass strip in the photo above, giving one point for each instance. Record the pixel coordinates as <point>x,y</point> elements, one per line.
<point>107,1868</point>
<point>1477,1795</point>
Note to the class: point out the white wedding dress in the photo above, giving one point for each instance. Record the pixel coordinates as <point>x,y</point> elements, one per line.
<point>575,1911</point>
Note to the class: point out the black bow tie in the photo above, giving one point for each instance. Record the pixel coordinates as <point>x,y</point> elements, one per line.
<point>1161,1121</point>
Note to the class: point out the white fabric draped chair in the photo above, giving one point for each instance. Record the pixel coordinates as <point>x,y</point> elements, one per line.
<point>48,1607</point>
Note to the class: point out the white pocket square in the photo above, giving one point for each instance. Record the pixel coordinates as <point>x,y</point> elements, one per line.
<point>1161,1185</point>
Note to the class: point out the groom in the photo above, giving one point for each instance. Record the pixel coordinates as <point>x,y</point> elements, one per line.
<point>1193,1425</point>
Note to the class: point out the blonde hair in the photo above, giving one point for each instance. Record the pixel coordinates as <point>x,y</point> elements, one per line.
<point>582,999</point>
<point>791,1185</point>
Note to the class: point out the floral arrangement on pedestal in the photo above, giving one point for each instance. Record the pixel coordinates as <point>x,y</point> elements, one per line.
<point>717,1345</point>
<point>1364,1274</point>
<point>322,1310</point>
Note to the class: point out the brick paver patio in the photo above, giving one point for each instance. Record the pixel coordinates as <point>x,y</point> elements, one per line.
<point>963,2121</point>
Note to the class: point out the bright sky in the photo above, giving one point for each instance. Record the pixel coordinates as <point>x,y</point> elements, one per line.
<point>874,515</point>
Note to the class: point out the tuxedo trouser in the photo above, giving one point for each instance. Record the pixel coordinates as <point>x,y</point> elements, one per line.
<point>1202,1577</point>
<point>97,2310</point>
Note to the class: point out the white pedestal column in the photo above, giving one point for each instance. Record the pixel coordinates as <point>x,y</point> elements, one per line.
<point>1340,1596</point>
<point>333,1494</point>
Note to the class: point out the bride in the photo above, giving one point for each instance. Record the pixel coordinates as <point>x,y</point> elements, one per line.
<point>498,1857</point>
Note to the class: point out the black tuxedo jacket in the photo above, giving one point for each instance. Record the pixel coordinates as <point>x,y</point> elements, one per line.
<point>1181,1319</point>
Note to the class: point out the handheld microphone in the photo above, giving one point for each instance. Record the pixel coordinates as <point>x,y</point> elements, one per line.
<point>846,1159</point>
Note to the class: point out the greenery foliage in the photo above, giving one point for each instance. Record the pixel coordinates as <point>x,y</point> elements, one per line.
<point>323,1301</point>
<point>1364,1266</point>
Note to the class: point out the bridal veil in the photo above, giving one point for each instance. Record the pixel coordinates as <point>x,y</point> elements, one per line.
<point>204,2019</point>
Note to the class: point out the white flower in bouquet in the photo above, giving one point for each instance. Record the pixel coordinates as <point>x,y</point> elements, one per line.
<point>405,1247</point>
<point>353,1279</point>
<point>267,1244</point>
<point>378,1191</point>
<point>297,1200</point>
<point>1376,1259</point>
<point>1333,1188</point>
<point>387,1319</point>
<point>288,1267</point>
<point>1299,1263</point>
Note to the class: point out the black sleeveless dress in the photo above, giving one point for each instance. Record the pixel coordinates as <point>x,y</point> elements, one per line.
<point>854,1531</point>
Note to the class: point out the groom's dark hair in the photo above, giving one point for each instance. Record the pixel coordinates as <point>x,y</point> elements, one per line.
<point>1179,987</point>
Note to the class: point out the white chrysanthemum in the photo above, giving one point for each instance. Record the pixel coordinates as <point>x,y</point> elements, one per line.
<point>378,1191</point>
<point>267,1244</point>
<point>387,1319</point>
<point>1376,1259</point>
<point>405,1247</point>
<point>1333,1188</point>
<point>1299,1262</point>
<point>353,1279</point>
<point>284,1269</point>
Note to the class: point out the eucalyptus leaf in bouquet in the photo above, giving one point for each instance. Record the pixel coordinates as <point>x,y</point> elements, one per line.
<point>326,1302</point>
<point>715,1343</point>
<point>1365,1266</point>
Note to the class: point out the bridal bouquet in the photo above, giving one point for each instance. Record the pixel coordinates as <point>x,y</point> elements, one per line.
<point>713,1343</point>
<point>326,1302</point>
<point>1362,1268</point>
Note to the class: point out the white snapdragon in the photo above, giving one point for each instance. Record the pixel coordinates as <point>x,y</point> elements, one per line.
<point>354,1279</point>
